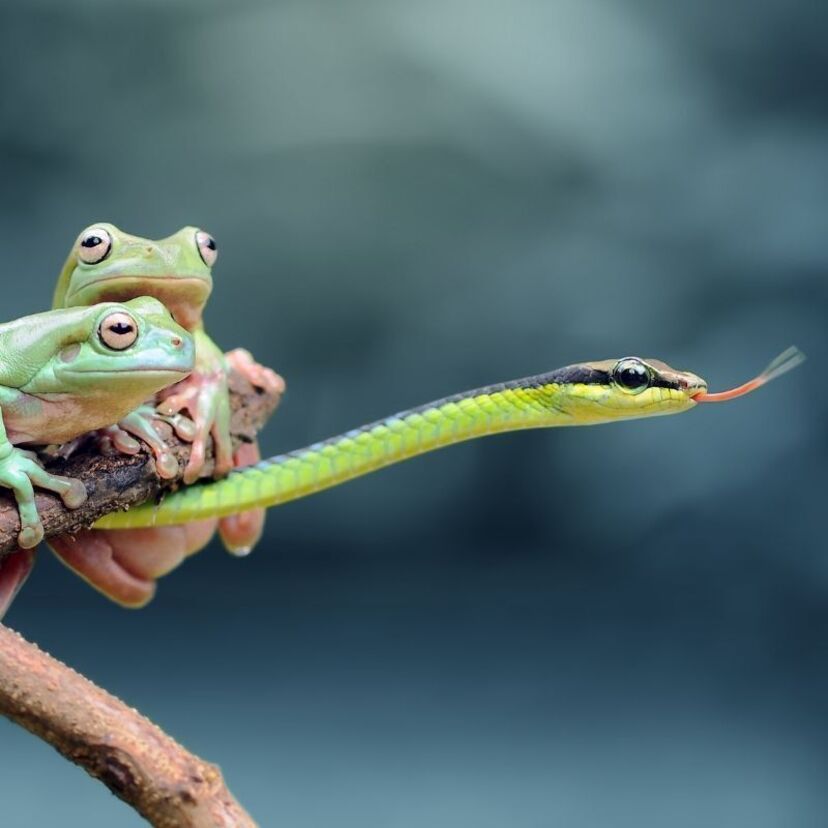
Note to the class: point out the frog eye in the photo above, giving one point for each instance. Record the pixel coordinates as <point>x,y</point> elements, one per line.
<point>94,245</point>
<point>206,247</point>
<point>118,331</point>
<point>632,375</point>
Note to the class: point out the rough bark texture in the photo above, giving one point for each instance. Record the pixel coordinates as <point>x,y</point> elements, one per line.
<point>136,760</point>
<point>116,481</point>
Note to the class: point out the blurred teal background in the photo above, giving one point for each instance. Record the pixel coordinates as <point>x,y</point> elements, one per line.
<point>622,626</point>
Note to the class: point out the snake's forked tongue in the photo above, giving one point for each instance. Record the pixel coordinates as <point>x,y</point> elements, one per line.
<point>787,360</point>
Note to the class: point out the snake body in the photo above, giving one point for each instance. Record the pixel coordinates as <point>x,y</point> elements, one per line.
<point>584,394</point>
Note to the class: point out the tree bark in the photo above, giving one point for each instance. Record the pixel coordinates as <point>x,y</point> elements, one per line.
<point>137,761</point>
<point>115,481</point>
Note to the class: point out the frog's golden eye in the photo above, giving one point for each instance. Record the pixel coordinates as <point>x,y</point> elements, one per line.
<point>118,331</point>
<point>206,247</point>
<point>94,245</point>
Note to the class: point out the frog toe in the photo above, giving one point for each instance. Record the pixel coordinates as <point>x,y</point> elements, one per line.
<point>30,536</point>
<point>224,459</point>
<point>195,464</point>
<point>71,490</point>
<point>141,424</point>
<point>175,403</point>
<point>122,441</point>
<point>18,473</point>
<point>184,427</point>
<point>31,529</point>
<point>75,495</point>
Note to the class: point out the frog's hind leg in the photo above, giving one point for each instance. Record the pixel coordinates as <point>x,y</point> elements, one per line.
<point>14,570</point>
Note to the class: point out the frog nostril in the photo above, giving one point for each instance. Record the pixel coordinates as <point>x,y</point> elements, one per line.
<point>177,341</point>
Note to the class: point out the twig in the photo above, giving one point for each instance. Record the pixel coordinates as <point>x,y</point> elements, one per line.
<point>117,481</point>
<point>136,760</point>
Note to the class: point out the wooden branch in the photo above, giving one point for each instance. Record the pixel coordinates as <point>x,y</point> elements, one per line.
<point>116,480</point>
<point>136,760</point>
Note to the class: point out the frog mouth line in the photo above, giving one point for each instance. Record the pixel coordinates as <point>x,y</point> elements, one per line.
<point>183,370</point>
<point>196,281</point>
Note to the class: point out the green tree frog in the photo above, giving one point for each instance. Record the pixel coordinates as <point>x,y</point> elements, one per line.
<point>66,372</point>
<point>107,264</point>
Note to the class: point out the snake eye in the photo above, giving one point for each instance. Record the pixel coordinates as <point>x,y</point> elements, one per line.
<point>94,245</point>
<point>118,331</point>
<point>206,247</point>
<point>631,375</point>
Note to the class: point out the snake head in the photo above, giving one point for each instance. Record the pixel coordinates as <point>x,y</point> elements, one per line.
<point>599,392</point>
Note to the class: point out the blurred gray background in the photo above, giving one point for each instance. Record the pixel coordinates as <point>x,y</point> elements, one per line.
<point>621,626</point>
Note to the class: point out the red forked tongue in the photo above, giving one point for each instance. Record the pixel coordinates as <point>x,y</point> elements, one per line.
<point>787,360</point>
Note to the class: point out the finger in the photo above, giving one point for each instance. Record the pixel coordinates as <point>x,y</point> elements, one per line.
<point>14,570</point>
<point>154,552</point>
<point>89,554</point>
<point>240,533</point>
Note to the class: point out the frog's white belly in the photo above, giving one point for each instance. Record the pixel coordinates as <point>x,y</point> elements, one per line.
<point>58,418</point>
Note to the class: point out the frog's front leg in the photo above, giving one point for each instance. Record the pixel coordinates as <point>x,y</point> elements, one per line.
<point>143,424</point>
<point>20,471</point>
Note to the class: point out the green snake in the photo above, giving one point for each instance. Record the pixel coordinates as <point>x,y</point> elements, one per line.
<point>584,394</point>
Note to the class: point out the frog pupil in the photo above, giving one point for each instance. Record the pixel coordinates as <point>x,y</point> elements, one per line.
<point>91,241</point>
<point>120,328</point>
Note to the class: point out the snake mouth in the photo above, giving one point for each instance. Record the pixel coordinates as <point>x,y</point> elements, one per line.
<point>789,359</point>
<point>692,385</point>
